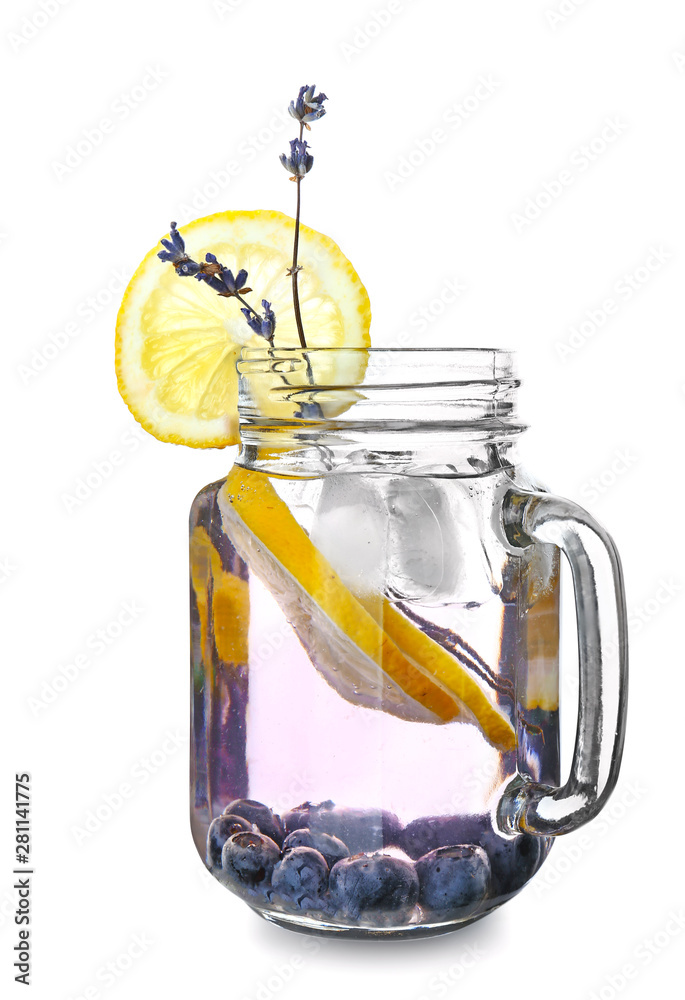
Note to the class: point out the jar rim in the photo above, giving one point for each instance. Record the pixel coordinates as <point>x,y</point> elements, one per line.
<point>446,364</point>
<point>248,353</point>
<point>408,350</point>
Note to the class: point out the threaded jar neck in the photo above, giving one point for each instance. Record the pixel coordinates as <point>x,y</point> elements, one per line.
<point>423,411</point>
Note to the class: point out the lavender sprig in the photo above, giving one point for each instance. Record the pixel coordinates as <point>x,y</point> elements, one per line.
<point>221,279</point>
<point>307,108</point>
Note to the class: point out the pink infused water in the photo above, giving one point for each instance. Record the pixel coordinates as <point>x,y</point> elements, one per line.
<point>321,792</point>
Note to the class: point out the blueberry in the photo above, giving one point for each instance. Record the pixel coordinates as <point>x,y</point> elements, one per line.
<point>301,878</point>
<point>298,818</point>
<point>367,884</point>
<point>513,862</point>
<point>360,829</point>
<point>430,832</point>
<point>331,848</point>
<point>255,812</point>
<point>453,880</point>
<point>220,830</point>
<point>248,859</point>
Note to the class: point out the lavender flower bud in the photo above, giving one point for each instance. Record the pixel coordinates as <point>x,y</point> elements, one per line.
<point>222,279</point>
<point>265,326</point>
<point>175,253</point>
<point>308,107</point>
<point>300,162</point>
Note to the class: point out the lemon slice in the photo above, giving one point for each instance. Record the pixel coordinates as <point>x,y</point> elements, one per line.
<point>446,670</point>
<point>227,603</point>
<point>177,341</point>
<point>275,546</point>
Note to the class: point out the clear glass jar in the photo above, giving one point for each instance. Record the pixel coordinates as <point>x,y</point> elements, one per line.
<point>375,640</point>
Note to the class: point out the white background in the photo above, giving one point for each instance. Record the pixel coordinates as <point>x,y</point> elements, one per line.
<point>608,406</point>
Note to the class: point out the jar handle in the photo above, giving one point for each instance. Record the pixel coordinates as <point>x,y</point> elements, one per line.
<point>539,809</point>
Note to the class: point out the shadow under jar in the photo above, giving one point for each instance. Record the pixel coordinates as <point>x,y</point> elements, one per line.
<point>375,640</point>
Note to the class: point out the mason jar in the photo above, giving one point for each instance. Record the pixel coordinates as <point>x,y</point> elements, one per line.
<point>375,646</point>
